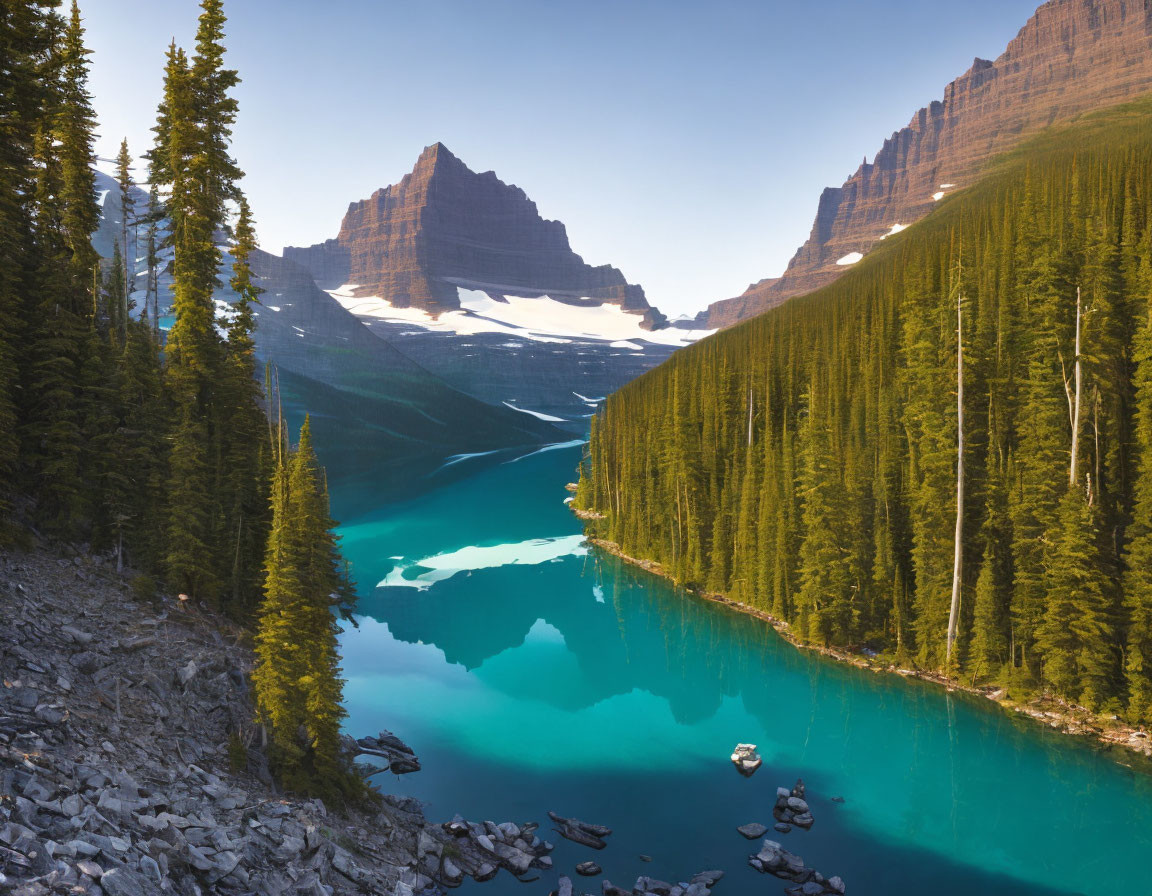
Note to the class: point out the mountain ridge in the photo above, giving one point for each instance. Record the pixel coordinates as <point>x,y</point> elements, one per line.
<point>1071,56</point>
<point>444,226</point>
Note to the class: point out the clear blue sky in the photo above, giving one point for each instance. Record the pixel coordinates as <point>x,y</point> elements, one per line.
<point>684,142</point>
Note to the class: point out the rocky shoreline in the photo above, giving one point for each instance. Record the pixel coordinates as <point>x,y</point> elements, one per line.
<point>1054,713</point>
<point>129,764</point>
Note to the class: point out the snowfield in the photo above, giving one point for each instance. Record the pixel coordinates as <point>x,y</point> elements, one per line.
<point>539,320</point>
<point>547,418</point>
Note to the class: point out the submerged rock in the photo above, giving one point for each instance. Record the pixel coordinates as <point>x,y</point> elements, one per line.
<point>582,832</point>
<point>753,831</point>
<point>774,859</point>
<point>700,885</point>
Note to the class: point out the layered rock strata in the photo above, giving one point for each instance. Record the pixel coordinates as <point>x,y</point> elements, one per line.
<point>1071,57</point>
<point>444,226</point>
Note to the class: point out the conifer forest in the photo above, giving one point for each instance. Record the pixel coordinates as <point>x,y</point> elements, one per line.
<point>809,462</point>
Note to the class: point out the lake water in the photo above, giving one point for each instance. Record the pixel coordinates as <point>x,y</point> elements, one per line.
<point>531,674</point>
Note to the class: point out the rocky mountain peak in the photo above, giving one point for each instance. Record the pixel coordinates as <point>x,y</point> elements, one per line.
<point>444,227</point>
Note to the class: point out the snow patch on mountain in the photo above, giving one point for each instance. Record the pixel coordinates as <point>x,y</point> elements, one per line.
<point>547,418</point>
<point>541,319</point>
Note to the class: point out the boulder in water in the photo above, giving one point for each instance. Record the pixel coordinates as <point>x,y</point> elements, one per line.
<point>746,759</point>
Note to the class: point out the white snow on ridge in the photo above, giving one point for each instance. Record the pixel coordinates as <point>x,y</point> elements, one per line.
<point>547,418</point>
<point>896,228</point>
<point>539,320</point>
<point>850,258</point>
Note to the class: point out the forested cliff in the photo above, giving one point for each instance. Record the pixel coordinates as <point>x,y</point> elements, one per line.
<point>805,462</point>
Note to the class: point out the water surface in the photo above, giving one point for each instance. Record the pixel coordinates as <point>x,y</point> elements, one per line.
<point>531,674</point>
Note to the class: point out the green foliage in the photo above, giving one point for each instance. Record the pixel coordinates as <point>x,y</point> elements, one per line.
<point>159,453</point>
<point>838,514</point>
<point>297,676</point>
<point>144,588</point>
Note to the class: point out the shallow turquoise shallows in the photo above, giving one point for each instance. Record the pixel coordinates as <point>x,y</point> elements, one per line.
<point>531,674</point>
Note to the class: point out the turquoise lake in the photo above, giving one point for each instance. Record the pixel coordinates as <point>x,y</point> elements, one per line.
<point>530,674</point>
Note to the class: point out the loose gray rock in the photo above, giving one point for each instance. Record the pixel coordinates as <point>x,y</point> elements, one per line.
<point>116,778</point>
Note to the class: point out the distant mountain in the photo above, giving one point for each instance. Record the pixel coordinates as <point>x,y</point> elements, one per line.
<point>445,227</point>
<point>366,395</point>
<point>459,271</point>
<point>1072,56</point>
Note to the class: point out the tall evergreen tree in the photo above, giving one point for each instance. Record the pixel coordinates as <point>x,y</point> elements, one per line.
<point>192,155</point>
<point>297,678</point>
<point>61,295</point>
<point>25,42</point>
<point>245,461</point>
<point>127,221</point>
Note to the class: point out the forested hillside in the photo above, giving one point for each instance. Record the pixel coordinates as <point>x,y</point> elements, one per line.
<point>805,462</point>
<point>158,450</point>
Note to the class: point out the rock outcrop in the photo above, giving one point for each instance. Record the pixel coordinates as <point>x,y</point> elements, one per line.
<point>128,766</point>
<point>1073,56</point>
<point>445,226</point>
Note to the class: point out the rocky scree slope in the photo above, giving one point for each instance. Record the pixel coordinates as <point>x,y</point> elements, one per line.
<point>1073,56</point>
<point>117,762</point>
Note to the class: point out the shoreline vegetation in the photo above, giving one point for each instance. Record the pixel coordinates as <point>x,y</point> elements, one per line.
<point>1056,714</point>
<point>811,461</point>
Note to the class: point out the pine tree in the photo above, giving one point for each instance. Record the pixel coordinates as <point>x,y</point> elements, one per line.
<point>989,649</point>
<point>154,216</point>
<point>25,42</point>
<point>1076,638</point>
<point>245,470</point>
<point>1138,575</point>
<point>297,678</point>
<point>192,154</point>
<point>140,446</point>
<point>127,219</point>
<point>51,436</point>
<point>76,124</point>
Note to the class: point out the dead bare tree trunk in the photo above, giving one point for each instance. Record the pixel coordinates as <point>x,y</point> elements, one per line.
<point>958,555</point>
<point>1077,376</point>
<point>749,416</point>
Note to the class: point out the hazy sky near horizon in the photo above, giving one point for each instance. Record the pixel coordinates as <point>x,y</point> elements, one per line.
<point>686,143</point>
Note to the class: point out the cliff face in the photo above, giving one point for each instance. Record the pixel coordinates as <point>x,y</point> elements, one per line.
<point>1073,56</point>
<point>445,226</point>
